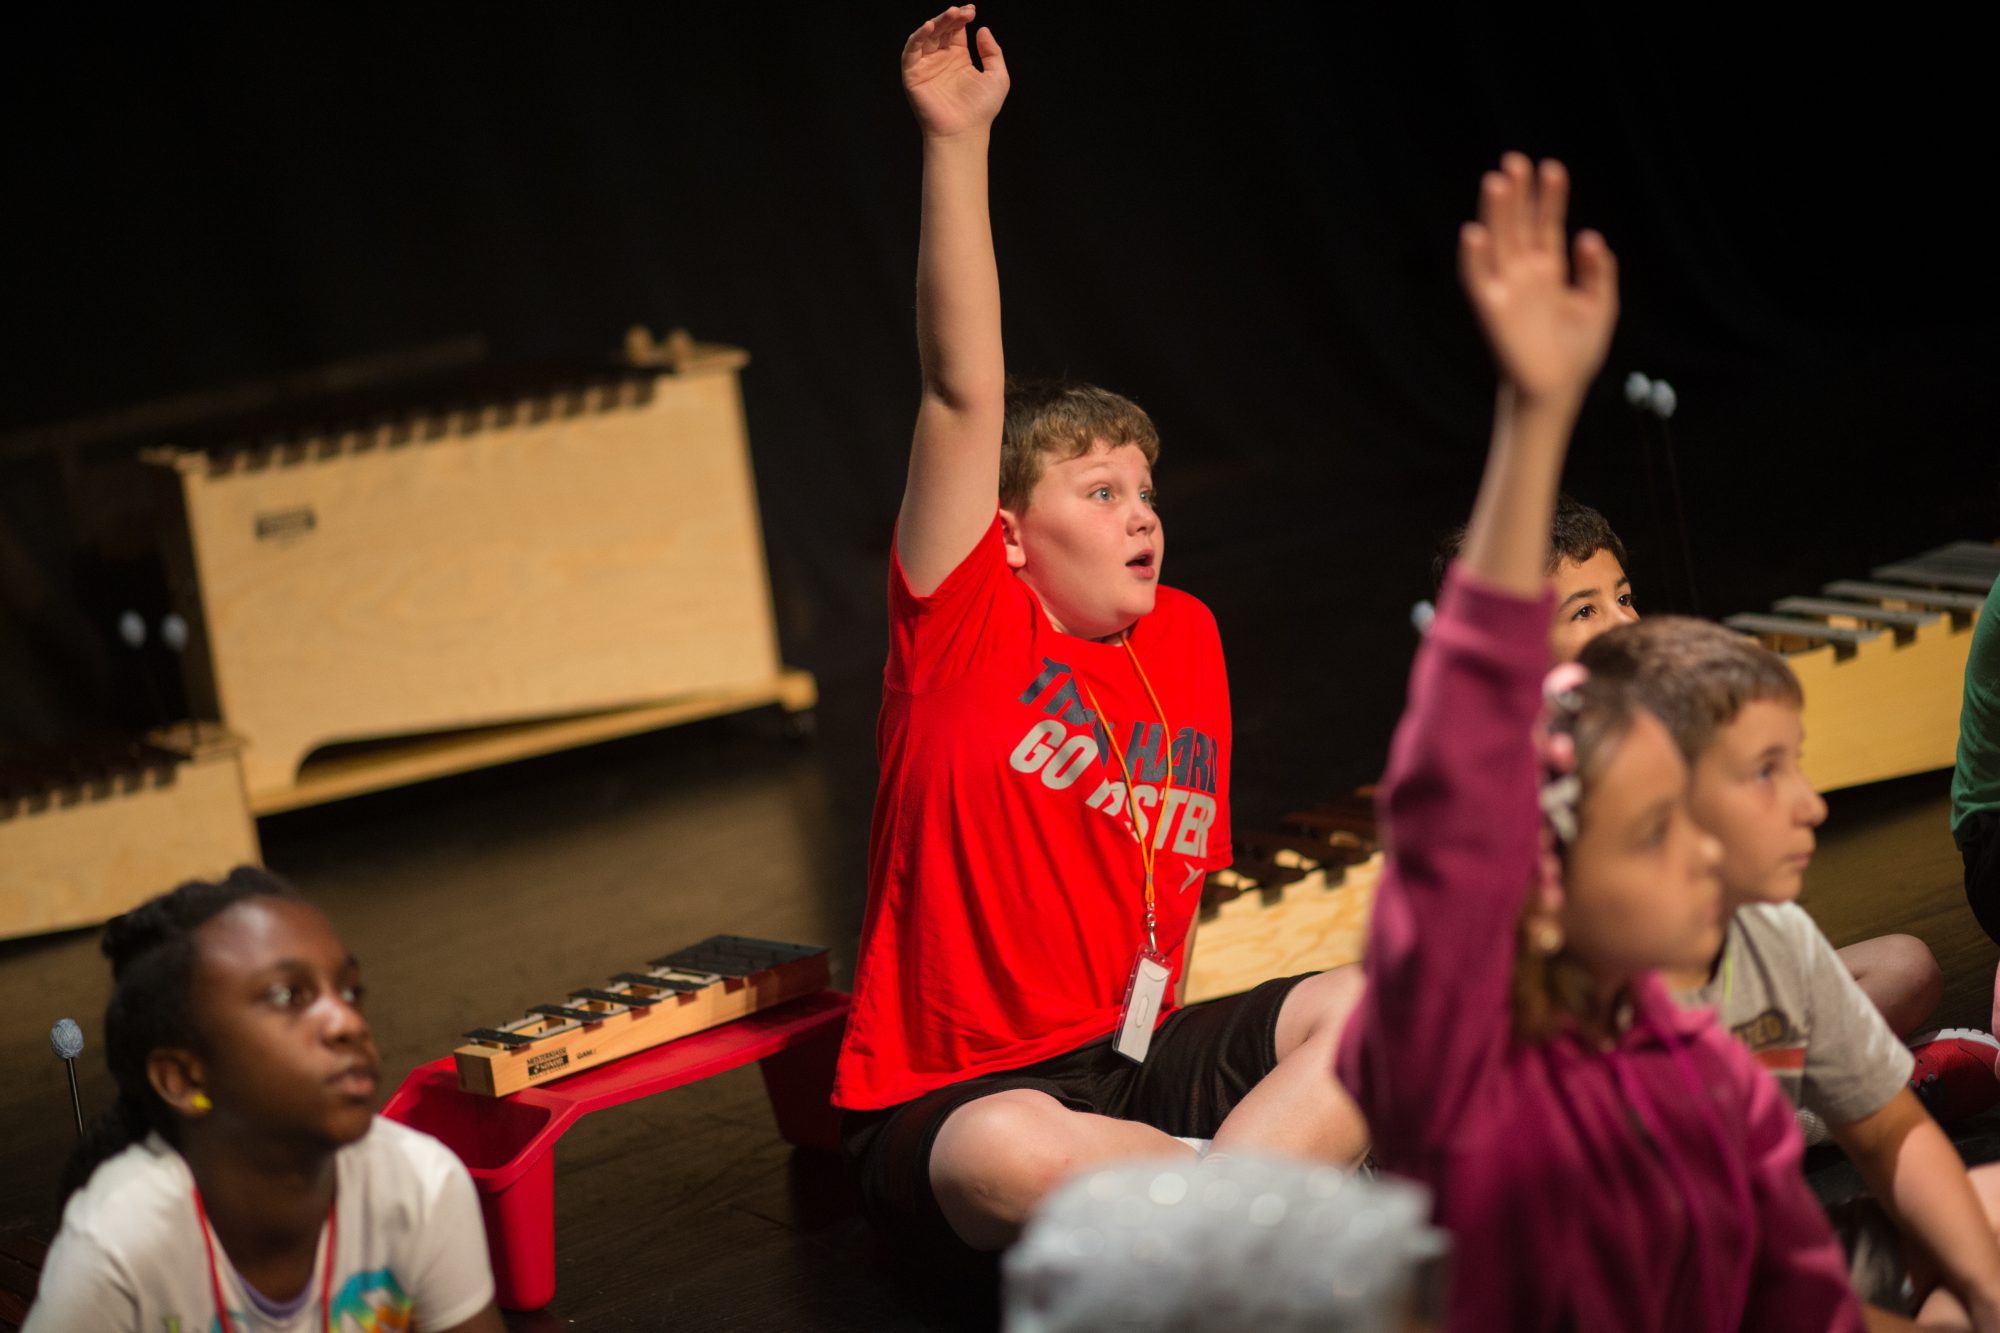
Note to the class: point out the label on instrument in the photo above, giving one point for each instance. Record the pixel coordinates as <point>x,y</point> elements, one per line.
<point>282,524</point>
<point>1144,994</point>
<point>547,1060</point>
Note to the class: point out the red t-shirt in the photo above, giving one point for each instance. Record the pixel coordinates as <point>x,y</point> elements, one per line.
<point>1006,887</point>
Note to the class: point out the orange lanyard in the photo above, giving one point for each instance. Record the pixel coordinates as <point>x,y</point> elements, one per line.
<point>1144,833</point>
<point>215,1277</point>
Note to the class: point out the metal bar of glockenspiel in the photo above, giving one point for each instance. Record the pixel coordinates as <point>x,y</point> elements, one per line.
<point>567,1014</point>
<point>626,998</point>
<point>658,982</point>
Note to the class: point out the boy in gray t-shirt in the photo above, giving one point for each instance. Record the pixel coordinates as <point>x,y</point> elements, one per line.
<point>1781,988</point>
<point>1734,711</point>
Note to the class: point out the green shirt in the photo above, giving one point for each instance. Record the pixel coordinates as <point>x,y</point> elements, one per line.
<point>1975,783</point>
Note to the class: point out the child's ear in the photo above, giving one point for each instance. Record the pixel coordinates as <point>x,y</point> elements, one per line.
<point>181,1081</point>
<point>1010,539</point>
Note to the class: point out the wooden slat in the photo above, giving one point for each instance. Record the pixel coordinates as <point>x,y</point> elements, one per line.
<point>1789,627</point>
<point>1942,599</point>
<point>1964,577</point>
<point>1318,850</point>
<point>1826,606</point>
<point>1353,819</point>
<point>1985,555</point>
<point>1267,873</point>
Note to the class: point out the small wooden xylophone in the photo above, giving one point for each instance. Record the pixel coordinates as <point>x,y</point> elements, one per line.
<point>722,978</point>
<point>1882,662</point>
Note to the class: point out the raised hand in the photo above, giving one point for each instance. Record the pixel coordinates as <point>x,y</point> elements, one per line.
<point>1549,334</point>
<point>949,94</point>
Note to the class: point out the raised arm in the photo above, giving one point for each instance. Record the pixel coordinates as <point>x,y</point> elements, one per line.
<point>954,480</point>
<point>1549,336</point>
<point>1458,796</point>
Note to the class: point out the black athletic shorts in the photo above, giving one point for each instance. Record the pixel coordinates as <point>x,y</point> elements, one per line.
<point>1980,846</point>
<point>1202,1060</point>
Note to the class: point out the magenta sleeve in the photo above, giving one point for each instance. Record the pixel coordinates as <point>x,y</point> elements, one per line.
<point>1798,1278</point>
<point>1459,819</point>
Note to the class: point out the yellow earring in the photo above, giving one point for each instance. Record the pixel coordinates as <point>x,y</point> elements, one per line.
<point>1547,937</point>
<point>200,1102</point>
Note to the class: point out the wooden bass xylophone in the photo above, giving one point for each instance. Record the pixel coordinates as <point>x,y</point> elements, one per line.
<point>392,583</point>
<point>722,978</point>
<point>96,827</point>
<point>1882,661</point>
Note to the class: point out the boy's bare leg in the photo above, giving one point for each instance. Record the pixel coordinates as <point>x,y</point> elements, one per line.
<point>996,1158</point>
<point>1900,975</point>
<point>1299,1108</point>
<point>1942,1309</point>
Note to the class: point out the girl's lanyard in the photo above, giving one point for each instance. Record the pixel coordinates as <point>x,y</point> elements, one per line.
<point>215,1275</point>
<point>1146,990</point>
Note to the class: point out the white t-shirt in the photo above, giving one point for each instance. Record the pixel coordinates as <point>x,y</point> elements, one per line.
<point>409,1246</point>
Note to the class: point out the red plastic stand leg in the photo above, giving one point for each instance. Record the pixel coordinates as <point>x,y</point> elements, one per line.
<point>521,1235</point>
<point>799,1081</point>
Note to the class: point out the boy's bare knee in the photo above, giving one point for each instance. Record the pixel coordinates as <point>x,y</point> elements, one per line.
<point>1926,978</point>
<point>994,1159</point>
<point>1318,1008</point>
<point>1900,975</point>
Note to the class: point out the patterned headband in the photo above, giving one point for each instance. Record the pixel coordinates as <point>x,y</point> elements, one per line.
<point>1562,699</point>
<point>1561,787</point>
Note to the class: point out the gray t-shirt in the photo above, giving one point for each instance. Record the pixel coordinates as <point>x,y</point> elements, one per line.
<point>1783,991</point>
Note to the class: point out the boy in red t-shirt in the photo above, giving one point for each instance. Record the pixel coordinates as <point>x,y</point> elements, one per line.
<point>1054,745</point>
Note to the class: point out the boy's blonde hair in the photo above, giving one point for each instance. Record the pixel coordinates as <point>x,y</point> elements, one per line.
<point>1695,674</point>
<point>1063,419</point>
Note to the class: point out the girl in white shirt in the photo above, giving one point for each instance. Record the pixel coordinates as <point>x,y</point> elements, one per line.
<point>241,1183</point>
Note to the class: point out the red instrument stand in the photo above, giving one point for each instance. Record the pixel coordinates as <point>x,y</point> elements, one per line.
<point>508,1143</point>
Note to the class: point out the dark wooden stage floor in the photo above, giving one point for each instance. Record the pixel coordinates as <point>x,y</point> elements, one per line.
<point>470,898</point>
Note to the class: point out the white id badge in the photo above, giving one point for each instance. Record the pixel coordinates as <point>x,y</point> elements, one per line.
<point>1143,994</point>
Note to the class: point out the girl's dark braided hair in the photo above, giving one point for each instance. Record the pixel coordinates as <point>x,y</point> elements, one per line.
<point>152,955</point>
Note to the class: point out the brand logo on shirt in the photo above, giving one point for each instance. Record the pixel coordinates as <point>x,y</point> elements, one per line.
<point>1778,1045</point>
<point>1070,741</point>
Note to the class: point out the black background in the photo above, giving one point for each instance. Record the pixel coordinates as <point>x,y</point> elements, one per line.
<point>1245,222</point>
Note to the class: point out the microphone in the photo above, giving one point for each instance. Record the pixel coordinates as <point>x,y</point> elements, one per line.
<point>67,1040</point>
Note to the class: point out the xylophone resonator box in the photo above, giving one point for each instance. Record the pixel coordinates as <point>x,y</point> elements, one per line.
<point>586,545</point>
